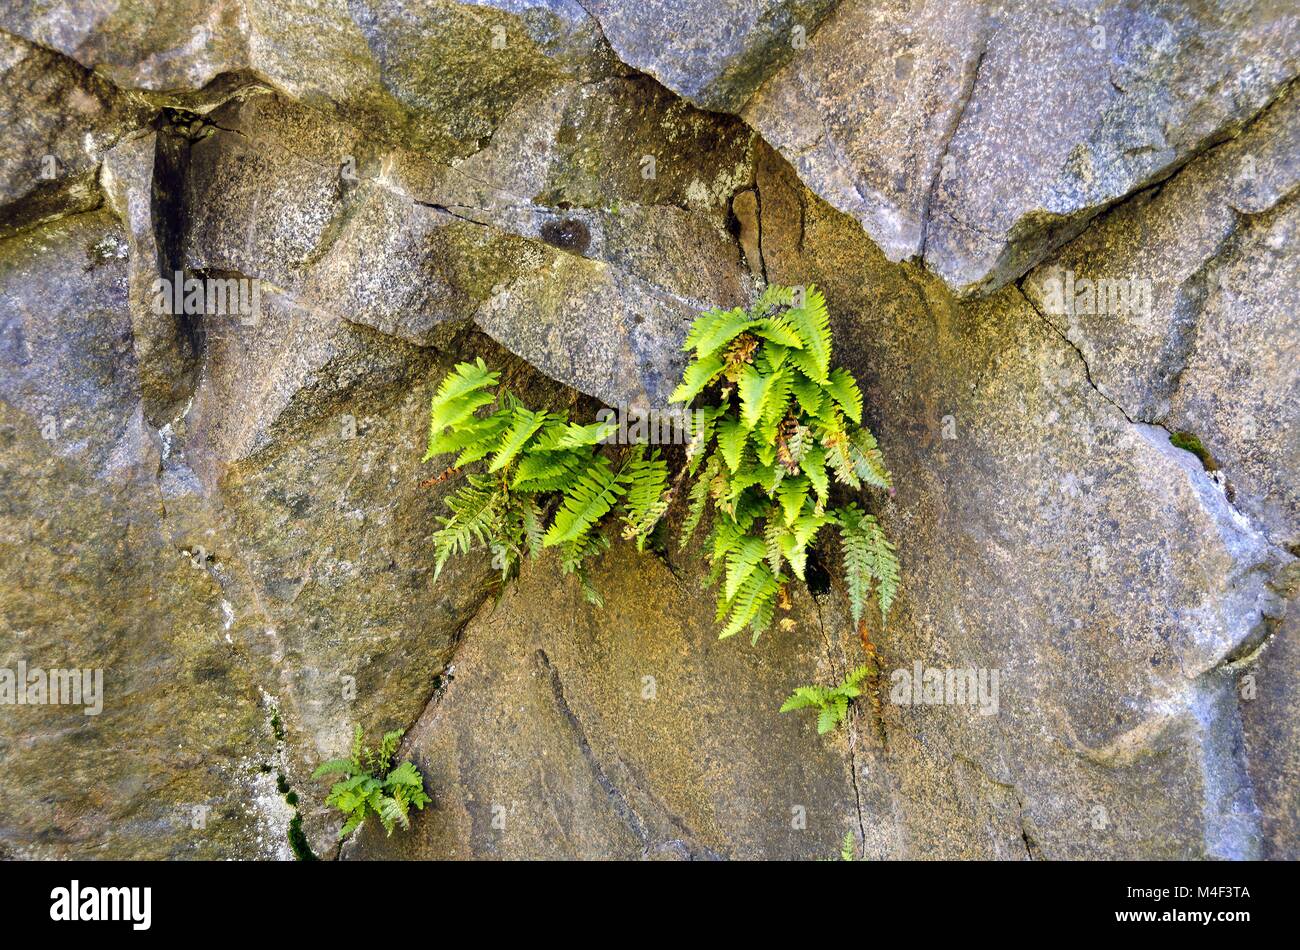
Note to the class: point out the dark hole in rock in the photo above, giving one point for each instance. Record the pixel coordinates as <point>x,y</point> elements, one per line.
<point>733,222</point>
<point>819,578</point>
<point>568,234</point>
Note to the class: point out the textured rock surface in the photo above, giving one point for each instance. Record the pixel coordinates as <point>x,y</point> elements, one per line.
<point>94,578</point>
<point>58,119</point>
<point>1100,679</point>
<point>627,732</point>
<point>978,135</point>
<point>714,54</point>
<point>226,513</point>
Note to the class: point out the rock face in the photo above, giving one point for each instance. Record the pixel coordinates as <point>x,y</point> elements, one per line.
<point>978,136</point>
<point>628,731</point>
<point>1058,244</point>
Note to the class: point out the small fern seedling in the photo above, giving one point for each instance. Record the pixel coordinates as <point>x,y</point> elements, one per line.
<point>371,785</point>
<point>849,849</point>
<point>831,702</point>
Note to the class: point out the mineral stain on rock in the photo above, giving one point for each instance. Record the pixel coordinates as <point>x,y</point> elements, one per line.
<point>568,234</point>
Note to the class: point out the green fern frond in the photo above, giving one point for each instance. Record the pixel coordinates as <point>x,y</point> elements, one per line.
<point>731,442</point>
<point>559,435</point>
<point>589,500</point>
<point>473,438</point>
<point>868,558</point>
<point>344,766</point>
<point>755,390</point>
<point>476,511</point>
<point>757,592</point>
<point>548,471</point>
<point>702,425</point>
<point>793,494</point>
<point>795,703</point>
<point>404,774</point>
<point>699,373</point>
<point>388,748</point>
<point>857,675</point>
<point>523,426</point>
<point>352,824</point>
<point>807,393</point>
<point>812,323</point>
<point>848,850</point>
<point>715,329</point>
<point>741,564</point>
<point>813,466</point>
<point>645,502</point>
<point>375,788</point>
<point>777,330</point>
<point>844,390</point>
<point>573,559</point>
<point>840,458</point>
<point>868,462</point>
<point>463,391</point>
<point>699,500</point>
<point>776,541</point>
<point>530,518</point>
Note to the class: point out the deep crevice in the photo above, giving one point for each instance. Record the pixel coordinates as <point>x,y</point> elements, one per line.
<point>169,209</point>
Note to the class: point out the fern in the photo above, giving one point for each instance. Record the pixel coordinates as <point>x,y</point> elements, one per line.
<point>699,501</point>
<point>715,329</point>
<point>371,786</point>
<point>698,375</point>
<point>849,848</point>
<point>812,323</point>
<point>755,389</point>
<point>476,511</point>
<point>534,458</point>
<point>771,463</point>
<point>844,390</point>
<point>731,442</point>
<point>586,501</point>
<point>523,426</point>
<point>458,397</point>
<point>573,559</point>
<point>868,558</point>
<point>647,495</point>
<point>776,440</point>
<point>831,702</point>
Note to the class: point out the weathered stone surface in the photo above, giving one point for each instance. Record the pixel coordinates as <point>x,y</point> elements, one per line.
<point>909,118</point>
<point>133,45</point>
<point>58,120</point>
<point>566,731</point>
<point>371,63</point>
<point>1117,99</point>
<point>865,113</point>
<point>583,255</point>
<point>267,548</point>
<point>980,136</point>
<point>713,54</point>
<point>228,515</point>
<point>90,579</point>
<point>1179,304</point>
<point>1270,692</point>
<point>166,349</point>
<point>1104,688</point>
